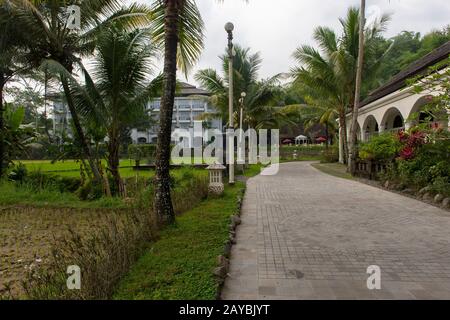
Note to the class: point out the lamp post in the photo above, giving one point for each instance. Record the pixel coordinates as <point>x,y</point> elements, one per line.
<point>229,27</point>
<point>241,104</point>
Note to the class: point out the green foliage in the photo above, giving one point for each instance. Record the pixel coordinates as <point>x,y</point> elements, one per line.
<point>19,195</point>
<point>180,264</point>
<point>138,152</point>
<point>190,32</point>
<point>384,147</point>
<point>18,173</point>
<point>40,180</point>
<point>16,136</point>
<point>90,191</point>
<point>430,165</point>
<point>407,47</point>
<point>438,76</point>
<point>425,155</point>
<point>326,76</point>
<point>262,96</point>
<point>331,155</point>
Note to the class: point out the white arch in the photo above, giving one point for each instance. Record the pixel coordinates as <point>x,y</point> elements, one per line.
<point>370,127</point>
<point>388,123</point>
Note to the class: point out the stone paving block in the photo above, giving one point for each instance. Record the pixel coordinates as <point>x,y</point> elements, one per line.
<point>308,235</point>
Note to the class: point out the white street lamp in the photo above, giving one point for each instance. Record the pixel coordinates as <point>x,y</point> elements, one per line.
<point>229,27</point>
<point>241,117</point>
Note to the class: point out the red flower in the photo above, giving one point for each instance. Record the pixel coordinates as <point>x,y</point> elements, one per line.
<point>402,136</point>
<point>407,153</point>
<point>416,139</point>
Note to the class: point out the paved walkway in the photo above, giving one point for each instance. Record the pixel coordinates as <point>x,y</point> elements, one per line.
<point>309,235</point>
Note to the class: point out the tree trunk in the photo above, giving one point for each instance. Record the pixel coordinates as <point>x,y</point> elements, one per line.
<point>163,202</point>
<point>326,133</point>
<point>2,149</point>
<point>79,131</point>
<point>47,131</point>
<point>343,134</point>
<point>113,160</point>
<point>353,128</point>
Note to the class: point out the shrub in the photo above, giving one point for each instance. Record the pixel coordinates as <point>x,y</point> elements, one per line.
<point>39,180</point>
<point>90,191</point>
<point>331,155</point>
<point>187,191</point>
<point>424,160</point>
<point>139,152</point>
<point>18,173</point>
<point>383,147</point>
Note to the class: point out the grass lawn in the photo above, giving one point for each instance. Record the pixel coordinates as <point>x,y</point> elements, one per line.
<point>47,165</point>
<point>12,195</point>
<point>335,169</point>
<point>71,168</point>
<point>180,264</point>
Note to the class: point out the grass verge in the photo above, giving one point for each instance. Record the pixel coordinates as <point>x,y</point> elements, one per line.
<point>335,169</point>
<point>180,265</point>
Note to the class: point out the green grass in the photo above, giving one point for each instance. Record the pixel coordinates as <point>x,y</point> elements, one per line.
<point>47,165</point>
<point>71,168</point>
<point>180,264</point>
<point>252,170</point>
<point>15,194</point>
<point>335,169</point>
<point>12,194</point>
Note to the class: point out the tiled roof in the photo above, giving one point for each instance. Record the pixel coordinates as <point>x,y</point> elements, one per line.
<point>186,89</point>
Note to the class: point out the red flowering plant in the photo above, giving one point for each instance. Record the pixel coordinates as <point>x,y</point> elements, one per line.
<point>407,153</point>
<point>410,143</point>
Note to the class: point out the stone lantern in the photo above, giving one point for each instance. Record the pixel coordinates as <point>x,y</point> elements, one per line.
<point>215,178</point>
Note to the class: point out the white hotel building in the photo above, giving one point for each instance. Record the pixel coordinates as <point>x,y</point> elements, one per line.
<point>190,104</point>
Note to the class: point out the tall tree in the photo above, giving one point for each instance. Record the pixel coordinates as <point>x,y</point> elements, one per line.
<point>261,100</point>
<point>353,128</point>
<point>117,90</point>
<point>11,63</point>
<point>329,73</point>
<point>59,49</point>
<point>178,26</point>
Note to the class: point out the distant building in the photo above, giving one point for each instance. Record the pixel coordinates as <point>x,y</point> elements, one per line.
<point>190,105</point>
<point>61,116</point>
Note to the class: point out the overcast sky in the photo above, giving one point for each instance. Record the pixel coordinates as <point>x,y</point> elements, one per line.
<point>277,28</point>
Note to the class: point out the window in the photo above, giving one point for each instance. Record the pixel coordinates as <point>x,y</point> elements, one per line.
<point>398,122</point>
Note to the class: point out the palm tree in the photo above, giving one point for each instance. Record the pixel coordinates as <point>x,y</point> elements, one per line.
<point>177,26</point>
<point>328,74</point>
<point>354,123</point>
<point>59,49</point>
<point>116,94</point>
<point>261,100</point>
<point>11,63</point>
<point>322,115</point>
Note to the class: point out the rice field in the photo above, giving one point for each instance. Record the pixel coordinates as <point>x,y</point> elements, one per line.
<point>27,235</point>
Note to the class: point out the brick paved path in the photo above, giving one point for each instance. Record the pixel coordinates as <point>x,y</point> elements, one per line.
<point>308,235</point>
